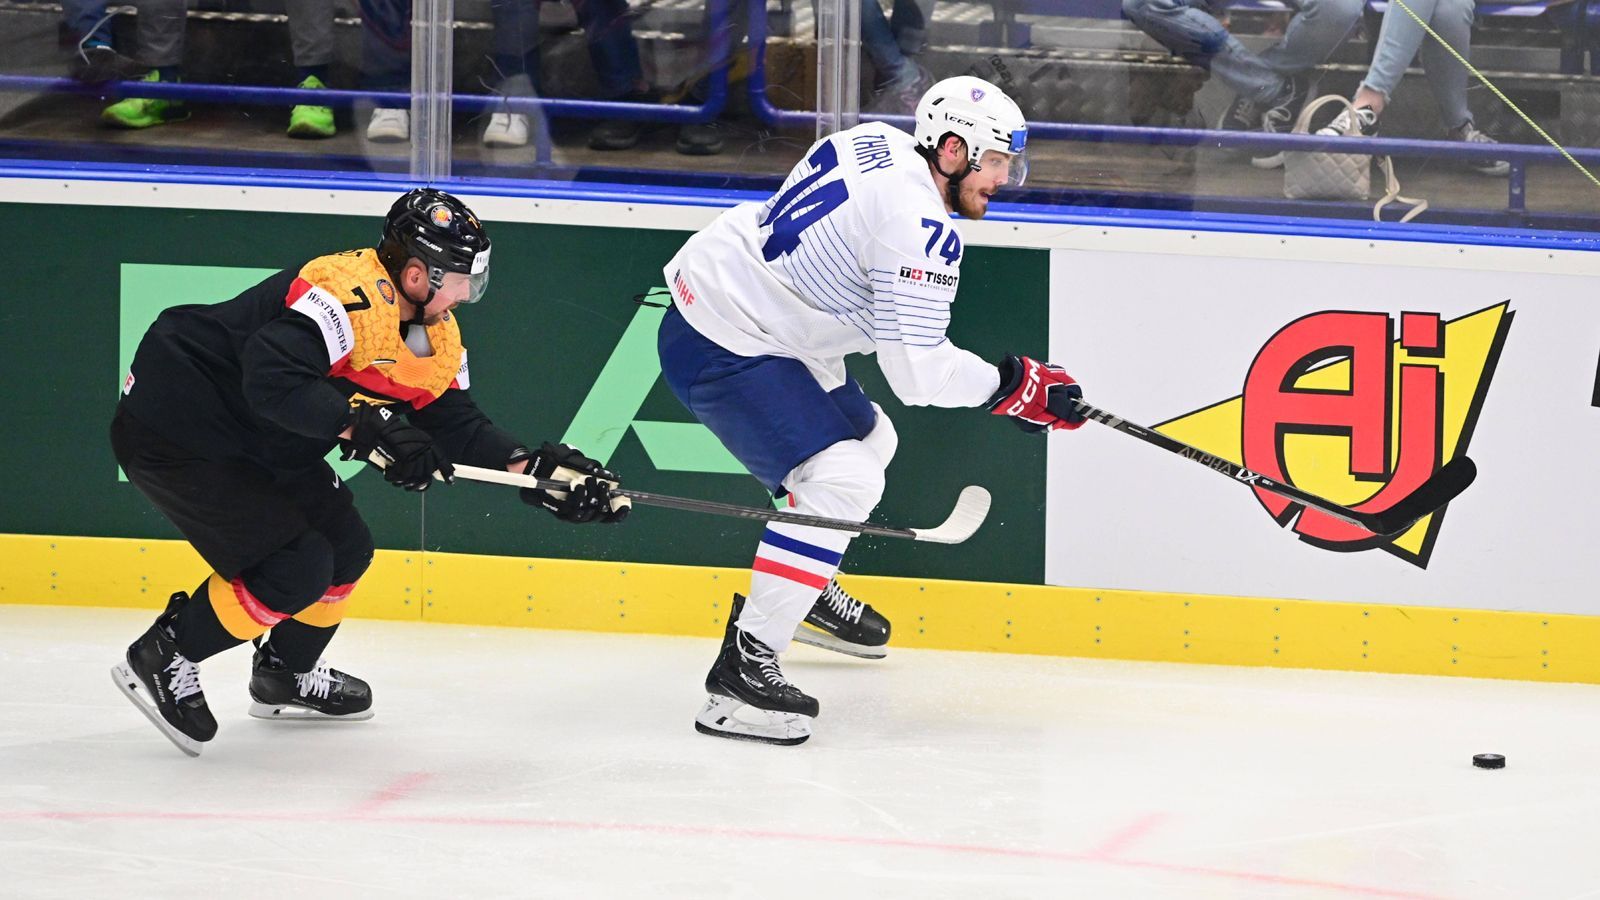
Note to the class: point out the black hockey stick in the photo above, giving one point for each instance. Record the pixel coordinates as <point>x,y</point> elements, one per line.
<point>1440,488</point>
<point>972,506</point>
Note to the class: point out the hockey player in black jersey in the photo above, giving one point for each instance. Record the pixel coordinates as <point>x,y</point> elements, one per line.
<point>224,423</point>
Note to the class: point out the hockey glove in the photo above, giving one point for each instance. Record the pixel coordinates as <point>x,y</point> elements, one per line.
<point>591,498</point>
<point>1029,389</point>
<point>409,456</point>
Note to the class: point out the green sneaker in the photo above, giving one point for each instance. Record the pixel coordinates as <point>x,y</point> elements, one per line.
<point>311,121</point>
<point>143,112</point>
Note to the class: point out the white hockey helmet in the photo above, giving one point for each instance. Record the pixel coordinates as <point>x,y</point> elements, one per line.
<point>981,115</point>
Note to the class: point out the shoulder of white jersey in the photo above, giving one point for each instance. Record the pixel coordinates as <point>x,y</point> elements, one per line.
<point>906,194</point>
<point>875,153</point>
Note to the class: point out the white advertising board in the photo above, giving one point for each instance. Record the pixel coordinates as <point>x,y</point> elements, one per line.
<point>1351,378</point>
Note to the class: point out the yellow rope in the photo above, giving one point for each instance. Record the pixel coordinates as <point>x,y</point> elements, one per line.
<point>1490,85</point>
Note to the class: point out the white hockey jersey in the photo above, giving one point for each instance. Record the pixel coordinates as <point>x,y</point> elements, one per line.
<point>855,254</point>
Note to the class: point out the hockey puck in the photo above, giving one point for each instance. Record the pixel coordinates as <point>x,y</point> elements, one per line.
<point>1489,761</point>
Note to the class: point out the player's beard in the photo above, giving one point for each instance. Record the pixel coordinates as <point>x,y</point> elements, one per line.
<point>966,200</point>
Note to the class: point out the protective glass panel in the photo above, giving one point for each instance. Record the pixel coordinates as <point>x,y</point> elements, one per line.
<point>274,84</point>
<point>679,93</point>
<point>1259,107</point>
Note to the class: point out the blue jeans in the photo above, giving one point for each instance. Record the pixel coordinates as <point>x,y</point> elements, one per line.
<point>1401,37</point>
<point>87,19</point>
<point>881,40</point>
<point>1186,28</point>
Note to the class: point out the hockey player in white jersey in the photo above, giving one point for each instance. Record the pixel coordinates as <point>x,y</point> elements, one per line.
<point>858,253</point>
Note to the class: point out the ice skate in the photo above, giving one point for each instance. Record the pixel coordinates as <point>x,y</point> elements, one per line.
<point>750,699</point>
<point>322,693</point>
<point>165,685</point>
<point>840,622</point>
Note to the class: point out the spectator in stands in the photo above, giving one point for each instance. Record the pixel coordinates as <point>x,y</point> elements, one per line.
<point>386,61</point>
<point>161,28</point>
<point>85,32</point>
<point>696,138</point>
<point>891,44</point>
<point>1270,87</point>
<point>1399,39</point>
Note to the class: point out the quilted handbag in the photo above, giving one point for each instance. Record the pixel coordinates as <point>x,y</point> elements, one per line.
<point>1340,176</point>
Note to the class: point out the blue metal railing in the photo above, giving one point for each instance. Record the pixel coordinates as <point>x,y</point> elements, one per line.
<point>252,95</point>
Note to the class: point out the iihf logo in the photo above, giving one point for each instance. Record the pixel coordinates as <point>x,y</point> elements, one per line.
<point>977,95</point>
<point>1344,405</point>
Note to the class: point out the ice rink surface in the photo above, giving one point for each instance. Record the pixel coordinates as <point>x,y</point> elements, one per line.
<point>519,763</point>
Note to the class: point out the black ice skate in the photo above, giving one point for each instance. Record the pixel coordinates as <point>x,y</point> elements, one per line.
<point>165,685</point>
<point>750,699</point>
<point>842,623</point>
<point>322,693</point>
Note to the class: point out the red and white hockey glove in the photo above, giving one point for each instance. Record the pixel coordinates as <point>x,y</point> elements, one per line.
<point>1029,389</point>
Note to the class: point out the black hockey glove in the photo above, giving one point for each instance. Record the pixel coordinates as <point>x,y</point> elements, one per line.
<point>592,497</point>
<point>409,456</point>
<point>1036,395</point>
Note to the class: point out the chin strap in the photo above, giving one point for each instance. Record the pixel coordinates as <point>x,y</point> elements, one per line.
<point>952,182</point>
<point>419,311</point>
<point>435,280</point>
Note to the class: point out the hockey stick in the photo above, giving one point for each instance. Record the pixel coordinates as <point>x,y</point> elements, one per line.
<point>1440,488</point>
<point>970,510</point>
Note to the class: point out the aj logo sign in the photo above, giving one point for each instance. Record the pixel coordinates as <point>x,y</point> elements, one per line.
<point>1357,407</point>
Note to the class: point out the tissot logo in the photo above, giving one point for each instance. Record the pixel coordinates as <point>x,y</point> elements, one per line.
<point>910,274</point>
<point>1358,408</point>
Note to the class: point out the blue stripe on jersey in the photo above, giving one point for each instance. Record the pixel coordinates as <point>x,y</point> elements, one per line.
<point>812,551</point>
<point>847,259</point>
<point>818,289</point>
<point>802,278</point>
<point>841,268</point>
<point>843,289</point>
<point>818,270</point>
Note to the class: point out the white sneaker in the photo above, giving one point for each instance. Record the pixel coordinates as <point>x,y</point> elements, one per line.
<point>1279,118</point>
<point>1366,123</point>
<point>1494,168</point>
<point>506,130</point>
<point>389,125</point>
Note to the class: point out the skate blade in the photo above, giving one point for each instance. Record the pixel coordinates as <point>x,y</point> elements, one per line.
<point>726,717</point>
<point>288,712</point>
<point>128,683</point>
<point>816,637</point>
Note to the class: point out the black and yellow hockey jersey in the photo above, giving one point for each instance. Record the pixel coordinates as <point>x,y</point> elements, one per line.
<point>269,376</point>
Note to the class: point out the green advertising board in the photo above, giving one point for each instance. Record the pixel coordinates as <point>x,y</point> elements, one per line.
<point>560,351</point>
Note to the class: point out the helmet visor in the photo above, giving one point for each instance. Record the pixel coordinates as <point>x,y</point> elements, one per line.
<point>1013,165</point>
<point>1018,149</point>
<point>456,287</point>
<point>1017,171</point>
<point>459,287</point>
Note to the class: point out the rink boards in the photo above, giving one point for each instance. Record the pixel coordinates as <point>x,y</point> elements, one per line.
<point>1336,361</point>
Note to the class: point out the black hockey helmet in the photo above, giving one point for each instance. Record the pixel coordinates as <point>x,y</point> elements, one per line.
<point>438,229</point>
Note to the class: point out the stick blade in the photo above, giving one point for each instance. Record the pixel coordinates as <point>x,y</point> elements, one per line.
<point>1443,486</point>
<point>972,507</point>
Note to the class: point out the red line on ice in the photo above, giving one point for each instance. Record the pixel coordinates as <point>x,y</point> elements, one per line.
<point>401,787</point>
